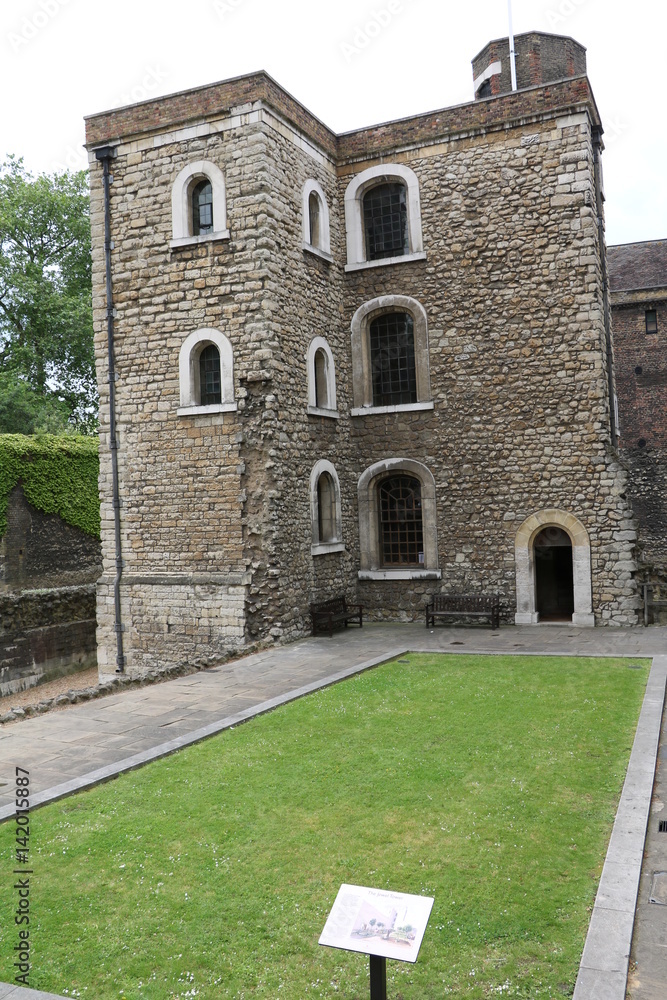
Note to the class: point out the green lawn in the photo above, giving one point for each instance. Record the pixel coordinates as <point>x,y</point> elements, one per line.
<point>489,783</point>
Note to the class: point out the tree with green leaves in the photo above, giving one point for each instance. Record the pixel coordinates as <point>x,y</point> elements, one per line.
<point>47,365</point>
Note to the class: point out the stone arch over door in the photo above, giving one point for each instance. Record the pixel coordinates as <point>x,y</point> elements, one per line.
<point>524,556</point>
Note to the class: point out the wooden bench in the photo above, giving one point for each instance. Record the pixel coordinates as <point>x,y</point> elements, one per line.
<point>327,615</point>
<point>464,606</point>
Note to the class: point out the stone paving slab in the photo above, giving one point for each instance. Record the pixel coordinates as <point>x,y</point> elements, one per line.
<point>124,728</point>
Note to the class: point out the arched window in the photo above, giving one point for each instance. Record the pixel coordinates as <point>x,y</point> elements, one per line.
<point>198,207</point>
<point>386,221</point>
<point>325,508</point>
<point>321,379</point>
<point>209,376</point>
<point>390,357</point>
<point>202,208</point>
<point>397,522</point>
<point>400,514</point>
<point>392,348</point>
<point>383,217</point>
<point>316,220</point>
<point>206,373</point>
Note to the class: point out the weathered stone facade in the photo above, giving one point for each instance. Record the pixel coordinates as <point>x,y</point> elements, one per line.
<point>638,280</point>
<point>508,430</point>
<point>48,571</point>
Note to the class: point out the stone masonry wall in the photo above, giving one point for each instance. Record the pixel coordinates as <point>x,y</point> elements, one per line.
<point>45,633</point>
<point>512,289</point>
<point>180,476</point>
<point>41,550</point>
<point>216,522</point>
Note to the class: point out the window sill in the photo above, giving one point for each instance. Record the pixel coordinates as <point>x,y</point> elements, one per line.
<point>309,248</point>
<point>362,411</point>
<point>190,241</point>
<point>323,548</point>
<point>318,411</point>
<point>405,258</point>
<point>399,574</point>
<point>201,411</point>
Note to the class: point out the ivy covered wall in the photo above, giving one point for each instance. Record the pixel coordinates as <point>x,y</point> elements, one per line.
<point>58,475</point>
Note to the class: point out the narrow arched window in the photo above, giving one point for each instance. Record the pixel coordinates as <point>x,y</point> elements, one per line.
<point>314,219</point>
<point>400,515</point>
<point>209,376</point>
<point>392,353</point>
<point>202,208</point>
<point>386,221</point>
<point>321,380</point>
<point>326,508</point>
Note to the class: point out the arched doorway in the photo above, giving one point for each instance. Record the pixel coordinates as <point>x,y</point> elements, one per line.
<point>554,581</point>
<point>526,555</point>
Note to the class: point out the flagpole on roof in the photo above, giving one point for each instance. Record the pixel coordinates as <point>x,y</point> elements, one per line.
<point>512,56</point>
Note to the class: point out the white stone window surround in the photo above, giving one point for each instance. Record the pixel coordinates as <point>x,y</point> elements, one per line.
<point>362,384</point>
<point>493,69</point>
<point>320,344</point>
<point>181,209</point>
<point>383,173</point>
<point>370,558</point>
<point>524,555</point>
<point>336,544</point>
<point>323,247</point>
<point>188,373</point>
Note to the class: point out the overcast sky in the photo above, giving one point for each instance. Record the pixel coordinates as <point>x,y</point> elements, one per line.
<point>351,62</point>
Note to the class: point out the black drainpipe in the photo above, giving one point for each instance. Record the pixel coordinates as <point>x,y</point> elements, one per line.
<point>597,149</point>
<point>106,154</point>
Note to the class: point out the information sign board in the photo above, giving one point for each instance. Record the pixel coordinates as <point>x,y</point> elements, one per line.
<point>377,922</point>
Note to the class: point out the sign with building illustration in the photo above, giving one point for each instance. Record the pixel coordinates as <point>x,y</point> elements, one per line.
<point>377,922</point>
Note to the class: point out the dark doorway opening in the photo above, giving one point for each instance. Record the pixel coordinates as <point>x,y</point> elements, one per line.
<point>554,581</point>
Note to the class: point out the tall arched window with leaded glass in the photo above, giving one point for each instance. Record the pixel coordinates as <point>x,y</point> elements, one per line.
<point>202,208</point>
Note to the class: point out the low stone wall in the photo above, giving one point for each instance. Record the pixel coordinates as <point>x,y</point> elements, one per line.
<point>45,634</point>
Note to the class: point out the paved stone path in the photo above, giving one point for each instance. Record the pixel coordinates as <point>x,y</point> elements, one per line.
<point>90,742</point>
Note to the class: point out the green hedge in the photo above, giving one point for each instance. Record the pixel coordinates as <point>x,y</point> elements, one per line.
<point>58,476</point>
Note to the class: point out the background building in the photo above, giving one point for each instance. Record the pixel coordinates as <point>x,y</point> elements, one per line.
<point>638,281</point>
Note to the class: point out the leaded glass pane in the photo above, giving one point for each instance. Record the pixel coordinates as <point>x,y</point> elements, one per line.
<point>401,533</point>
<point>202,208</point>
<point>385,222</point>
<point>393,372</point>
<point>209,376</point>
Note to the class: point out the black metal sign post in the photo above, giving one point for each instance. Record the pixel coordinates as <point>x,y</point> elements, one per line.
<point>378,977</point>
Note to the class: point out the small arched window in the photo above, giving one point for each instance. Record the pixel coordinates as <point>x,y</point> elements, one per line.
<point>401,529</point>
<point>325,508</point>
<point>209,376</point>
<point>202,208</point>
<point>386,222</point>
<point>321,379</point>
<point>198,206</point>
<point>206,373</point>
<point>315,220</point>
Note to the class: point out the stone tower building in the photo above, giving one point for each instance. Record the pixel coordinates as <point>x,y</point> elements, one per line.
<point>376,362</point>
